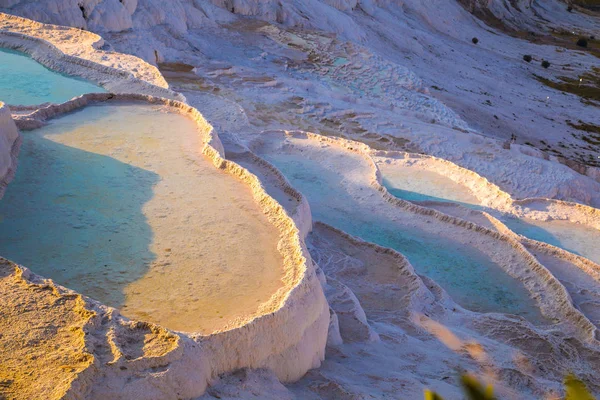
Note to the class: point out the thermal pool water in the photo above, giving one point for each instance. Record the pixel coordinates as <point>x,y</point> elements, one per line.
<point>24,81</point>
<point>329,178</point>
<point>577,238</point>
<point>117,202</point>
<point>418,184</point>
<point>412,183</point>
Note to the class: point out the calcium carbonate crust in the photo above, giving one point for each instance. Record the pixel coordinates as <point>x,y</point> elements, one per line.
<point>10,142</point>
<point>492,196</point>
<point>289,336</point>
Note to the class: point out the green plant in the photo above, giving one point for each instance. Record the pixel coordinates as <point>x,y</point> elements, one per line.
<point>527,58</point>
<point>475,40</point>
<point>545,64</point>
<point>474,390</point>
<point>575,389</point>
<point>432,396</point>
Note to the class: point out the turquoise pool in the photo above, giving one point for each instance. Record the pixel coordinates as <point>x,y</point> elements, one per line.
<point>576,238</point>
<point>24,81</point>
<point>468,275</point>
<point>414,184</point>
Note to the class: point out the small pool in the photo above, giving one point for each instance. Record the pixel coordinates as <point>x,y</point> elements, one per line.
<point>116,202</point>
<point>576,238</point>
<point>24,81</point>
<point>468,274</point>
<point>414,183</point>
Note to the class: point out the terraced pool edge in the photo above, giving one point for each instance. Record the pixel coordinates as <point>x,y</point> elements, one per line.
<point>85,40</point>
<point>249,345</point>
<point>492,196</point>
<point>295,257</point>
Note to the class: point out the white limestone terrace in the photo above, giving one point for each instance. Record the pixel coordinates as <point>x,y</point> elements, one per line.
<point>285,78</point>
<point>486,193</point>
<point>368,324</point>
<point>318,149</point>
<point>110,356</point>
<point>569,282</point>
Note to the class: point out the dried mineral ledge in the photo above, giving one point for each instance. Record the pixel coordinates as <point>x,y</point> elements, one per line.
<point>56,343</point>
<point>9,147</point>
<point>565,233</point>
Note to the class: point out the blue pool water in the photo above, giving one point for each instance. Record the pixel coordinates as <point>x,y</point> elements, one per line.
<point>76,216</point>
<point>576,238</point>
<point>24,81</point>
<point>415,185</point>
<point>417,197</point>
<point>468,275</point>
<point>117,202</point>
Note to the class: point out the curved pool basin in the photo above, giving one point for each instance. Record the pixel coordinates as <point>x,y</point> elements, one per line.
<point>577,238</point>
<point>117,202</point>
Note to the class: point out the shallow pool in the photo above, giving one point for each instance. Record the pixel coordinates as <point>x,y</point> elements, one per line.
<point>576,238</point>
<point>414,183</point>
<point>468,275</point>
<point>24,81</point>
<point>117,202</point>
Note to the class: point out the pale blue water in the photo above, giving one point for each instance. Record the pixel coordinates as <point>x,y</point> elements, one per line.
<point>532,231</point>
<point>24,81</point>
<point>576,238</point>
<point>417,197</point>
<point>425,189</point>
<point>76,216</point>
<point>468,275</point>
<point>411,196</point>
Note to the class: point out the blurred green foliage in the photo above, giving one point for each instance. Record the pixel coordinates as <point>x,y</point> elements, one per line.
<point>474,390</point>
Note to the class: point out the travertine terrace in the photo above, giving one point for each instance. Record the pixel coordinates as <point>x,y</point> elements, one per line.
<point>325,196</point>
<point>114,353</point>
